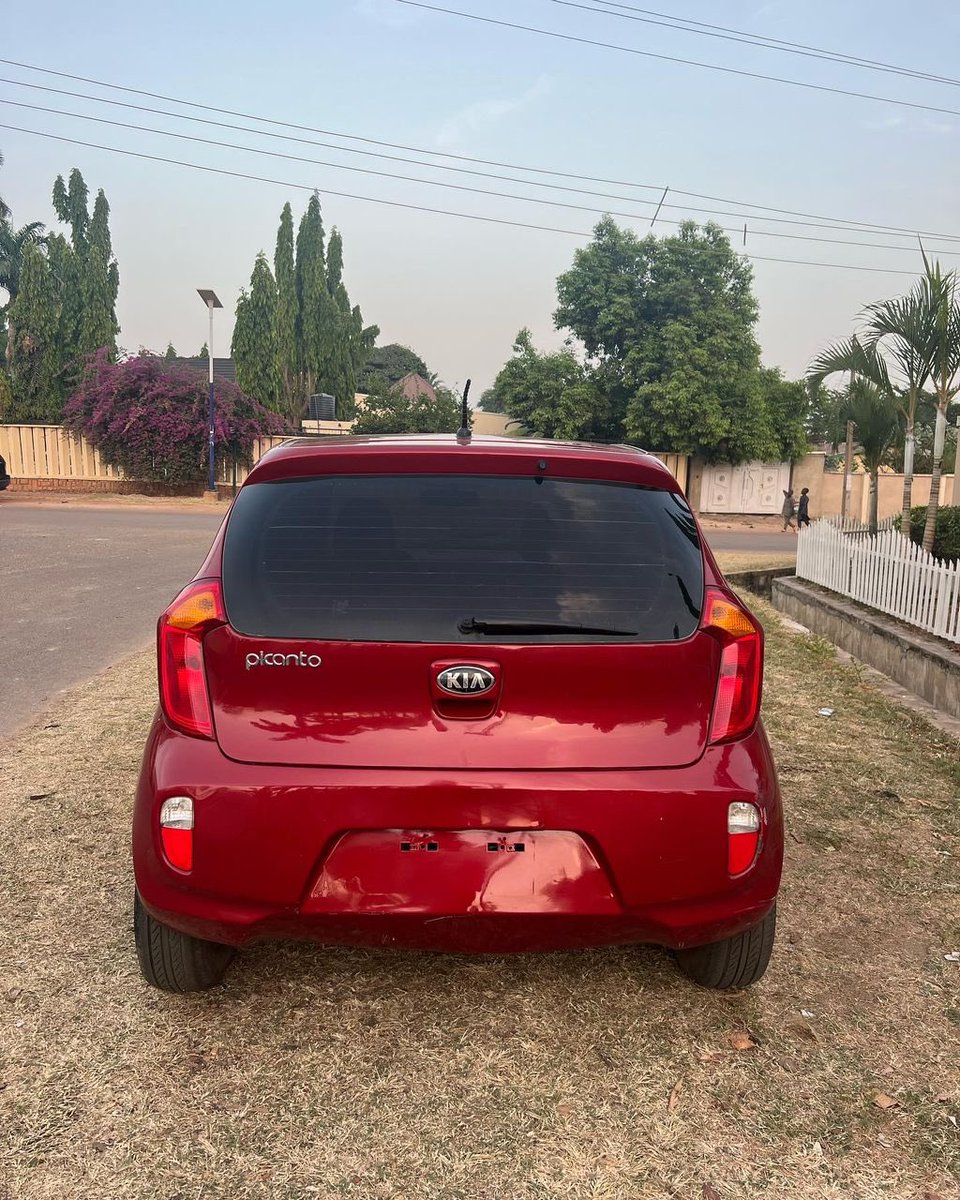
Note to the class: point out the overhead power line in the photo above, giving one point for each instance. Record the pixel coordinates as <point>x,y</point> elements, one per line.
<point>687,62</point>
<point>834,222</point>
<point>632,12</point>
<point>834,225</point>
<point>582,234</point>
<point>460,187</point>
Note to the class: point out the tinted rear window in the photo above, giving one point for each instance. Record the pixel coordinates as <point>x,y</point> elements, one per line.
<point>408,557</point>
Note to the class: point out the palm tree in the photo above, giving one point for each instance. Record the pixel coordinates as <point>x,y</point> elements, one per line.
<point>872,403</point>
<point>902,328</point>
<point>13,242</point>
<point>875,412</point>
<point>4,207</point>
<point>940,293</point>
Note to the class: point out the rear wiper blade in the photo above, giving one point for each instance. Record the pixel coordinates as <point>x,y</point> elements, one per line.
<point>516,625</point>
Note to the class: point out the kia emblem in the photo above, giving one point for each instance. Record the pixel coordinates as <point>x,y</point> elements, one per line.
<point>465,680</point>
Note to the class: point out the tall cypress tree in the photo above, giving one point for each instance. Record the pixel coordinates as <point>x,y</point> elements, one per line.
<point>254,344</point>
<point>312,299</point>
<point>70,205</point>
<point>87,273</point>
<point>35,366</point>
<point>337,377</point>
<point>286,279</point>
<point>67,273</point>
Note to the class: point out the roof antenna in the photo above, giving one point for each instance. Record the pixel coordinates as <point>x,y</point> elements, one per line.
<point>464,431</point>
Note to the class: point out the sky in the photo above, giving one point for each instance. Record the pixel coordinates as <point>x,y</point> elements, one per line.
<point>458,290</point>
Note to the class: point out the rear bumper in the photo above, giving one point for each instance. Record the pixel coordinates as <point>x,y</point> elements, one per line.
<point>609,856</point>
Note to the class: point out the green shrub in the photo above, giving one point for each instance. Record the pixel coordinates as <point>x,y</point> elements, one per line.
<point>946,538</point>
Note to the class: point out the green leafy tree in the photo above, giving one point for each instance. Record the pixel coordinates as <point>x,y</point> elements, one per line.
<point>254,344</point>
<point>171,352</point>
<point>551,394</point>
<point>786,403</point>
<point>204,351</point>
<point>35,363</point>
<point>392,411</point>
<point>668,328</point>
<point>387,365</point>
<point>488,401</point>
<point>13,244</point>
<point>287,308</point>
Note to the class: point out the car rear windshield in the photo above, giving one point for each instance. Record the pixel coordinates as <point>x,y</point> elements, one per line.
<point>407,558</point>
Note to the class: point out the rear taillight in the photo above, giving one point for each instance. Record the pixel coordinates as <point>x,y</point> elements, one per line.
<point>737,701</point>
<point>743,836</point>
<point>176,832</point>
<point>183,684</point>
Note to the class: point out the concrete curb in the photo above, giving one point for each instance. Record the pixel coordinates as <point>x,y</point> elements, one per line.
<point>925,666</point>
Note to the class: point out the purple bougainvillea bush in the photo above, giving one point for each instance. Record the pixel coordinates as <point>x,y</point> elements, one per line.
<point>149,418</point>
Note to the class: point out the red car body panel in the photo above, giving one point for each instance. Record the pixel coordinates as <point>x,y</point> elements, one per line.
<point>356,803</point>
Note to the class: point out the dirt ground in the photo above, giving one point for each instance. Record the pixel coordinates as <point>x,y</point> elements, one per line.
<point>602,1075</point>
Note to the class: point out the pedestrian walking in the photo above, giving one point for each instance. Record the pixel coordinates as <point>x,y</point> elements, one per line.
<point>803,509</point>
<point>787,510</point>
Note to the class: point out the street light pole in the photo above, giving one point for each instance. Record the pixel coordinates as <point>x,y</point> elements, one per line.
<point>211,300</point>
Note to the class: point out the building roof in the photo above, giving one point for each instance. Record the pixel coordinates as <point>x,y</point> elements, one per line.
<point>223,368</point>
<point>414,385</point>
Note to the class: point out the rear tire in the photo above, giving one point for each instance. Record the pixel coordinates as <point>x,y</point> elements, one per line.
<point>736,962</point>
<point>175,961</point>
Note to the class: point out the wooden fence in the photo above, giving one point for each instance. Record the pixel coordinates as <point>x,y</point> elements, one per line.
<point>885,571</point>
<point>49,452</point>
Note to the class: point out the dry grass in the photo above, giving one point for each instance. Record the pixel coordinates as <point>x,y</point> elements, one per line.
<point>317,1073</point>
<point>735,560</point>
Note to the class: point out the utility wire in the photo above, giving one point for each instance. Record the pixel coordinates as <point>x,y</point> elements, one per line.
<point>553,187</point>
<point>687,62</point>
<point>744,37</point>
<point>460,187</point>
<point>306,187</point>
<point>842,223</point>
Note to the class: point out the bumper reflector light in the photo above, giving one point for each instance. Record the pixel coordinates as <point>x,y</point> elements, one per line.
<point>743,836</point>
<point>176,832</point>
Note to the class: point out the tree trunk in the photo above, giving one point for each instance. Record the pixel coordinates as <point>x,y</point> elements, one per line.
<point>874,498</point>
<point>939,437</point>
<point>908,453</point>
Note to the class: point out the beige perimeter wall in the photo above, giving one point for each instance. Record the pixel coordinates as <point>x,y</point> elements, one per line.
<point>826,490</point>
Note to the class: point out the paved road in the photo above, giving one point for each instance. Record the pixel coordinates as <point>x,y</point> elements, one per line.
<point>80,587</point>
<point>759,541</point>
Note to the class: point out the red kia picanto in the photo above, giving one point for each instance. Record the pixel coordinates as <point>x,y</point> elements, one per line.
<point>458,694</point>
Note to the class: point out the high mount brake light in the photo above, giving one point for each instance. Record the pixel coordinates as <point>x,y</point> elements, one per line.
<point>183,684</point>
<point>737,701</point>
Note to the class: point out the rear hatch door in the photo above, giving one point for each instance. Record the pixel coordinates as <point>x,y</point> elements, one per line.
<point>350,600</point>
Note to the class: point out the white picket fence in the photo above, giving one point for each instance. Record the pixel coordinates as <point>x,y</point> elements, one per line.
<point>885,571</point>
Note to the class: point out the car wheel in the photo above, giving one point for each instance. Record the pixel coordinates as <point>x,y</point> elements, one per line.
<point>175,961</point>
<point>736,962</point>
